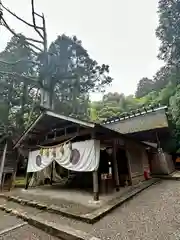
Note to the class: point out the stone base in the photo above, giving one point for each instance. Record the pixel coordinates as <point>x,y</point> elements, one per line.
<point>96,213</point>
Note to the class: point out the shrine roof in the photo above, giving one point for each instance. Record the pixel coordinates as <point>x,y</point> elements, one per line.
<point>54,126</point>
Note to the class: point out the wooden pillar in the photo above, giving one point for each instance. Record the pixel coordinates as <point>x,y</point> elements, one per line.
<point>158,142</point>
<point>27,180</point>
<point>52,164</point>
<point>129,166</point>
<point>115,166</point>
<point>95,179</point>
<point>3,162</point>
<point>95,186</point>
<point>2,181</point>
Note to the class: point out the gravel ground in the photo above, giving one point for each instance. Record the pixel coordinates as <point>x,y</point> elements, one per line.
<point>27,233</point>
<point>153,214</point>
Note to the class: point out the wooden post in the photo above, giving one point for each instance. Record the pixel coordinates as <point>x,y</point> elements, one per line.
<point>95,186</point>
<point>27,177</point>
<point>115,166</point>
<point>51,173</point>
<point>2,163</point>
<point>95,179</point>
<point>27,181</point>
<point>129,166</point>
<point>2,181</point>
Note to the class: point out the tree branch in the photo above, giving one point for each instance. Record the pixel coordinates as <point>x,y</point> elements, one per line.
<point>7,26</point>
<point>34,46</point>
<point>18,61</point>
<point>34,20</point>
<point>35,53</point>
<point>34,40</point>
<point>22,20</point>
<point>38,15</point>
<point>45,34</point>
<point>19,75</point>
<point>15,34</point>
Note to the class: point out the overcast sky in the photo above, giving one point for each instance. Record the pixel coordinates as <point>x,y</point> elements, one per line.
<point>120,33</point>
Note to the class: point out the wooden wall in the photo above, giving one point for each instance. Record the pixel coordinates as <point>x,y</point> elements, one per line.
<point>138,161</point>
<point>161,163</point>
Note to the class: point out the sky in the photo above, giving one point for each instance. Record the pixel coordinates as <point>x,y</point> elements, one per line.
<point>120,33</point>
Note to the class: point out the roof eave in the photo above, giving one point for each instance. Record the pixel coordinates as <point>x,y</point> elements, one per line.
<point>52,114</point>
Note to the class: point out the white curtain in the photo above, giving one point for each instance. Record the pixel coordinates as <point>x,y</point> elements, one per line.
<point>39,177</point>
<point>80,157</point>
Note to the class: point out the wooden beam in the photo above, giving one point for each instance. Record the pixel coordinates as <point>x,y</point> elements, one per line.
<point>95,186</point>
<point>95,176</point>
<point>63,128</point>
<point>52,165</point>
<point>23,136</point>
<point>3,162</point>
<point>27,180</point>
<point>115,166</point>
<point>68,136</point>
<point>129,165</point>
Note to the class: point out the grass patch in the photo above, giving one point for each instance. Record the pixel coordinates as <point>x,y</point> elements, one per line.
<point>20,181</point>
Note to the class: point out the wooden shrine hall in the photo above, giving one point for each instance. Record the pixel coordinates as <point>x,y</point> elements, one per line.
<point>117,158</point>
<point>151,127</point>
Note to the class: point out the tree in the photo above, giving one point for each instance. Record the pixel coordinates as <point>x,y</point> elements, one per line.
<point>144,86</point>
<point>65,69</point>
<point>16,94</point>
<point>174,117</point>
<point>167,78</point>
<point>168,31</point>
<point>73,75</point>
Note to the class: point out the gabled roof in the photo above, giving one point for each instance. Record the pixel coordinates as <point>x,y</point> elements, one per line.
<point>139,122</point>
<point>131,116</point>
<point>48,120</point>
<point>49,123</point>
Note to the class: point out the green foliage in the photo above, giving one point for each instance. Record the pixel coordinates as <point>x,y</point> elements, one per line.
<point>168,31</point>
<point>16,95</point>
<point>145,85</point>
<point>71,75</point>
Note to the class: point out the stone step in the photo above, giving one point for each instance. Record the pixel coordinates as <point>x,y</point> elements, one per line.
<point>51,223</point>
<point>67,210</point>
<point>64,208</point>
